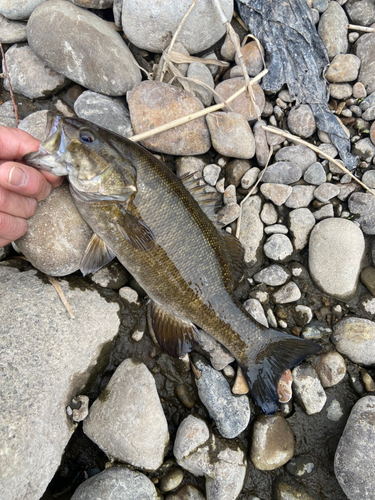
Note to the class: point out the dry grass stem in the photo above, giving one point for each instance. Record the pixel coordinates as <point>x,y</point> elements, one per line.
<point>239,20</point>
<point>194,116</point>
<point>10,84</point>
<point>180,58</point>
<point>360,28</point>
<point>238,228</point>
<point>296,139</point>
<point>59,290</point>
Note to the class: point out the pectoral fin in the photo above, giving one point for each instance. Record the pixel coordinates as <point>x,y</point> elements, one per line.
<point>97,255</point>
<point>136,232</point>
<point>174,335</point>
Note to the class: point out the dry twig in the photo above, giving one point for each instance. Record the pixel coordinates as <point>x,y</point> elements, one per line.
<point>360,28</point>
<point>59,290</point>
<point>296,139</point>
<point>10,84</point>
<point>238,228</point>
<point>194,116</point>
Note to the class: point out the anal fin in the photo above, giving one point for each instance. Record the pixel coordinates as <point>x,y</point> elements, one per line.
<point>97,255</point>
<point>174,335</point>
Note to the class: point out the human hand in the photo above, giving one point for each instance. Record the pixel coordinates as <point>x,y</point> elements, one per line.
<point>21,186</point>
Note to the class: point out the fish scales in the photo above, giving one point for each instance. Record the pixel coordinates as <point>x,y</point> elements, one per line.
<point>141,213</point>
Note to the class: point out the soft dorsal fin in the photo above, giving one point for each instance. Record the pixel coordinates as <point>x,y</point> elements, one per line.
<point>97,255</point>
<point>136,232</point>
<point>207,196</point>
<point>236,254</point>
<point>174,335</point>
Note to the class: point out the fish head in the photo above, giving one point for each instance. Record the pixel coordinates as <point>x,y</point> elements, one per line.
<point>88,155</point>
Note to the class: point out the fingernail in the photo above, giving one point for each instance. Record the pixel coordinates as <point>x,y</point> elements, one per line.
<point>17,176</point>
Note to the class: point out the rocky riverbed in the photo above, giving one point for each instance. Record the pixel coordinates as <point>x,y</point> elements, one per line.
<point>90,407</point>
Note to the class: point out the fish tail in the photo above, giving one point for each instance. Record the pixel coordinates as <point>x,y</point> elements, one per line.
<point>282,352</point>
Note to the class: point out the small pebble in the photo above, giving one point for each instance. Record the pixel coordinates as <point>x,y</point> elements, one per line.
<point>274,275</point>
<point>301,121</point>
<point>277,193</point>
<point>278,247</point>
<point>308,389</point>
<point>287,293</point>
<point>315,174</point>
<point>331,368</point>
<point>211,174</point>
<point>171,480</point>
<point>300,466</point>
<point>240,385</point>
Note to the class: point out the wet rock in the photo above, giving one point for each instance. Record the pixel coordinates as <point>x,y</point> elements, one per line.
<point>252,57</point>
<point>200,72</point>
<point>326,191</point>
<point>315,174</point>
<point>202,453</point>
<point>282,172</point>
<point>301,466</point>
<point>262,150</point>
<point>301,121</point>
<point>278,247</point>
<point>308,389</point>
<point>273,275</point>
<point>355,338</point>
<point>230,413</point>
<point>316,331</point>
<point>241,104</point>
<point>249,178</point>
<point>255,309</point>
<point>19,10</point>
<point>231,135</point>
<point>269,214</point>
<point>127,420</point>
<point>355,459</point>
<point>151,26</point>
<point>363,204</point>
<point>251,232</point>
<point>117,483</point>
<point>112,276</point>
<point>57,236</point>
<point>301,222</point>
<point>93,53</point>
<point>343,68</point>
<point>171,480</point>
<point>300,197</point>
<point>335,253</point>
<point>332,30</point>
<point>365,149</point>
<point>104,111</point>
<point>29,75</point>
<point>286,491</point>
<point>368,278</point>
<point>365,50</point>
<point>287,293</point>
<point>12,31</point>
<point>277,193</point>
<point>48,359</point>
<point>340,90</point>
<point>299,154</point>
<point>273,442</point>
<point>186,492</point>
<point>334,410</point>
<point>331,368</point>
<point>129,297</point>
<point>152,104</point>
<point>303,315</point>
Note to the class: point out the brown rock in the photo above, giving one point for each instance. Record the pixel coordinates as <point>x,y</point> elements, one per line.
<point>343,68</point>
<point>241,104</point>
<point>252,58</point>
<point>152,104</point>
<point>301,121</point>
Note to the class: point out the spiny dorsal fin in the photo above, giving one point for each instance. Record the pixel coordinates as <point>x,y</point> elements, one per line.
<point>236,254</point>
<point>207,196</point>
<point>97,255</point>
<point>136,232</point>
<point>174,335</point>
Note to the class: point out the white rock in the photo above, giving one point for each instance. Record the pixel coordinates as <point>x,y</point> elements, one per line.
<point>308,389</point>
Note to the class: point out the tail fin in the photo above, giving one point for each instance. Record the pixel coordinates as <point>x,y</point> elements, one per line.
<point>283,352</point>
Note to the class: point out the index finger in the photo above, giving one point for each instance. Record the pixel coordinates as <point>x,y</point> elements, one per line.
<point>15,143</point>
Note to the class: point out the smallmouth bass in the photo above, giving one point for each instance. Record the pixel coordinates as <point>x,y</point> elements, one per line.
<point>141,213</point>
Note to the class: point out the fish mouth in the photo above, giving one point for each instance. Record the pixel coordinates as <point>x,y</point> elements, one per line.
<point>51,149</point>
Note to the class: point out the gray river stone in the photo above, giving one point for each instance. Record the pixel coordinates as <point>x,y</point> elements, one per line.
<point>18,9</point>
<point>218,355</point>
<point>151,25</point>
<point>365,50</point>
<point>278,247</point>
<point>301,222</point>
<point>363,204</point>
<point>362,12</point>
<point>315,174</point>
<point>355,338</point>
<point>299,154</point>
<point>107,112</point>
<point>251,232</point>
<point>117,483</point>
<point>128,421</point>
<point>93,4</point>
<point>332,30</point>
<point>308,389</point>
<point>355,455</point>
<point>29,75</point>
<point>86,49</point>
<point>335,253</point>
<point>12,31</point>
<point>282,172</point>
<point>57,236</point>
<point>46,360</point>
<point>273,275</point>
<point>231,413</point>
<point>7,116</point>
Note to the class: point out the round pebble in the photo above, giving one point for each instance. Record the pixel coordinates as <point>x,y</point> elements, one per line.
<point>301,222</point>
<point>287,293</point>
<point>171,480</point>
<point>282,172</point>
<point>301,121</point>
<point>252,58</point>
<point>277,193</point>
<point>343,68</point>
<point>231,135</point>
<point>278,247</point>
<point>355,338</point>
<point>315,174</point>
<point>332,30</point>
<point>326,191</point>
<point>331,368</point>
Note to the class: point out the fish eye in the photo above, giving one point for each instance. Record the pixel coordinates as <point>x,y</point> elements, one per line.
<point>86,137</point>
